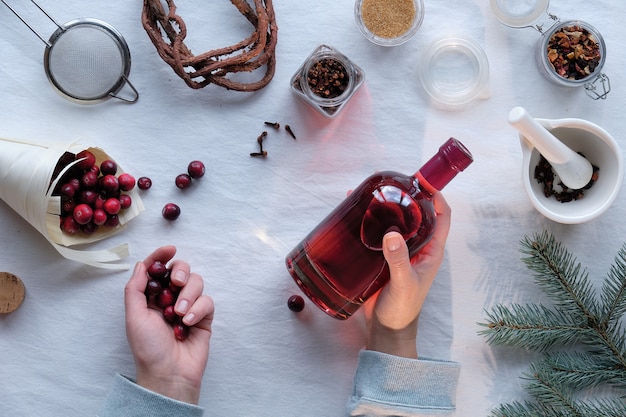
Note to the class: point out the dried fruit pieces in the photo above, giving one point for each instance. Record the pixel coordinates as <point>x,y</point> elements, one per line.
<point>544,174</point>
<point>573,52</point>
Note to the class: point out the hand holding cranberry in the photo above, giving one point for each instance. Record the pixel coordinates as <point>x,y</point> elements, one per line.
<point>166,363</point>
<point>392,315</point>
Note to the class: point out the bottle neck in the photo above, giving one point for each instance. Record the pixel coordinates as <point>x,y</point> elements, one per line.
<point>452,158</point>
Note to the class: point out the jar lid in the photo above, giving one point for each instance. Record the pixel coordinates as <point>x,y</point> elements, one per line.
<point>518,14</point>
<point>454,71</point>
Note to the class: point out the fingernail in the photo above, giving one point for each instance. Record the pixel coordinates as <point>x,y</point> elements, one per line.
<point>182,306</point>
<point>181,277</point>
<point>394,241</point>
<point>188,319</point>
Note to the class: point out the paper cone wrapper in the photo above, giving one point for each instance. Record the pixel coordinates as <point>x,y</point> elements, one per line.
<point>26,169</point>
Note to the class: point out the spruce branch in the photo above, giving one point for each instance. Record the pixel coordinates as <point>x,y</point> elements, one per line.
<point>579,319</point>
<point>559,275</point>
<point>533,327</point>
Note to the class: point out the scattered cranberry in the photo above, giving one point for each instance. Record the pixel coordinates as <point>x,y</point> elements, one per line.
<point>144,183</point>
<point>181,332</point>
<point>157,270</point>
<point>83,214</point>
<point>171,211</point>
<point>108,167</point>
<point>88,161</point>
<point>295,303</point>
<point>196,169</point>
<point>183,181</point>
<point>126,182</point>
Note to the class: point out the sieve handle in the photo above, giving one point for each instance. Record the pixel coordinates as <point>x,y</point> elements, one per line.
<point>135,93</point>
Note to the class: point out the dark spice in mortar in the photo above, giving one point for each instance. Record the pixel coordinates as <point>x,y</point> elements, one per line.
<point>573,52</point>
<point>544,174</point>
<point>328,78</point>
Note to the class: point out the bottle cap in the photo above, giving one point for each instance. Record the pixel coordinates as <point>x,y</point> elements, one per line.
<point>452,158</point>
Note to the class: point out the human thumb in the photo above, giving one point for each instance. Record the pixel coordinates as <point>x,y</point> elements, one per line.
<point>396,254</point>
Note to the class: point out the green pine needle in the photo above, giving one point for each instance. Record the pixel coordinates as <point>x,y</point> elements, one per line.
<point>577,319</point>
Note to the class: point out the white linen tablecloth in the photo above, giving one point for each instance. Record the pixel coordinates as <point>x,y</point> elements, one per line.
<point>61,348</point>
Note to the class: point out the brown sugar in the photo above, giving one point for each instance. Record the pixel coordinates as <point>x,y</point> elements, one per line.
<point>388,18</point>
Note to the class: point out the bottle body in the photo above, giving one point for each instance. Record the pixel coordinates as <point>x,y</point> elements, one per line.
<point>340,264</point>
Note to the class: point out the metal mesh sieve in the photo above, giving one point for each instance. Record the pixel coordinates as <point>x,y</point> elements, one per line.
<point>86,60</point>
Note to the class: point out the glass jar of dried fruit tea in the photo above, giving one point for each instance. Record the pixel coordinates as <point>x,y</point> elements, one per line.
<point>570,53</point>
<point>327,80</point>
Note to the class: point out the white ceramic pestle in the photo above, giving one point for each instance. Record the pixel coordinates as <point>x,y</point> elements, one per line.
<point>572,168</point>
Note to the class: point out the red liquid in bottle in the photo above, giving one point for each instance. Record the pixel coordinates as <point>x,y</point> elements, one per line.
<point>340,264</point>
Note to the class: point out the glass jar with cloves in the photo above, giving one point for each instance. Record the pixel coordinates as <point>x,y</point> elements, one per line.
<point>327,80</point>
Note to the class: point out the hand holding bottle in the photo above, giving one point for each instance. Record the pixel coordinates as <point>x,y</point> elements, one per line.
<point>164,364</point>
<point>392,314</point>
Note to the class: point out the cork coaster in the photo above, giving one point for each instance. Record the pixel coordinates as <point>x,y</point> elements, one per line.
<point>11,292</point>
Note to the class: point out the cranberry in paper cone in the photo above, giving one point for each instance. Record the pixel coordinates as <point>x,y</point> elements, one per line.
<point>26,185</point>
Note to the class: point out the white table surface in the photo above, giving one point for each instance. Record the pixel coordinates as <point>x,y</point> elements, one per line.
<point>61,348</point>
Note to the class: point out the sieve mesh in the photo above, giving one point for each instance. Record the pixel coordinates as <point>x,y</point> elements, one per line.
<point>86,62</point>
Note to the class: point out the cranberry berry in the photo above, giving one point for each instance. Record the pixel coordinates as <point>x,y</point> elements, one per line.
<point>170,315</point>
<point>110,183</point>
<point>166,298</point>
<point>88,159</point>
<point>157,270</point>
<point>153,287</point>
<point>112,205</point>
<point>144,183</point>
<point>183,181</point>
<point>295,303</point>
<point>171,211</point>
<point>83,214</point>
<point>89,180</point>
<point>108,167</point>
<point>181,332</point>
<point>100,217</point>
<point>196,169</point>
<point>126,182</point>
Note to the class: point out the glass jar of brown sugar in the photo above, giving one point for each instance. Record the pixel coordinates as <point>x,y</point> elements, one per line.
<point>389,22</point>
<point>327,80</point>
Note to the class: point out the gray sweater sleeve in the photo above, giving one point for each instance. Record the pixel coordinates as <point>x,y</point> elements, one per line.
<point>127,399</point>
<point>386,385</point>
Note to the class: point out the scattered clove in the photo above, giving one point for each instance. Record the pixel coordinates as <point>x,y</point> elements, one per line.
<point>261,154</point>
<point>275,125</point>
<point>288,129</point>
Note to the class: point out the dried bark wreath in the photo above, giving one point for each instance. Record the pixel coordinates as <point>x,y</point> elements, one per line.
<point>167,31</point>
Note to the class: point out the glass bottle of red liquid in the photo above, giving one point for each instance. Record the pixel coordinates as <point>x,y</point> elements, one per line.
<point>340,264</point>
